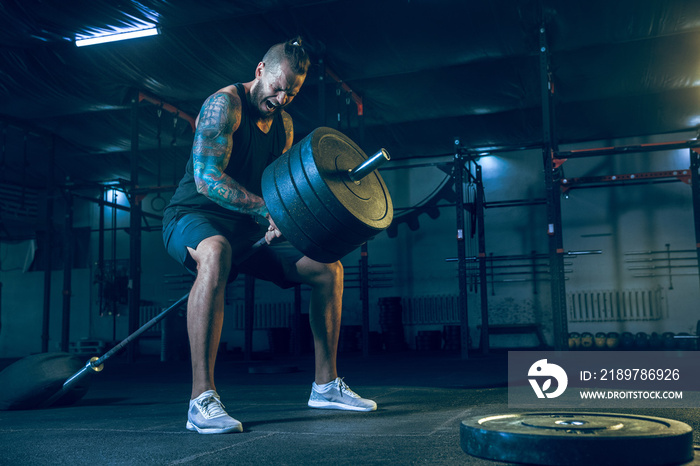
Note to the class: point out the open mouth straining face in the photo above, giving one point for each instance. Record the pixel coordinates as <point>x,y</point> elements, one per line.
<point>264,100</point>
<point>275,89</point>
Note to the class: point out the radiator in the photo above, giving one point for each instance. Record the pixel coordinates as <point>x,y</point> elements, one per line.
<point>266,315</point>
<point>438,309</point>
<point>19,203</point>
<point>146,313</point>
<point>615,305</point>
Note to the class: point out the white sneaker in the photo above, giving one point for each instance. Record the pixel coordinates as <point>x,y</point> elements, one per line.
<point>207,416</point>
<point>339,397</point>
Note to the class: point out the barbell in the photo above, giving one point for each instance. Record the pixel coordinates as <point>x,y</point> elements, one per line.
<point>325,196</point>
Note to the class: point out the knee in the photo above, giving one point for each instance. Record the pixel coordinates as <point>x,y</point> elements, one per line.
<point>213,257</point>
<point>328,274</point>
<point>335,270</point>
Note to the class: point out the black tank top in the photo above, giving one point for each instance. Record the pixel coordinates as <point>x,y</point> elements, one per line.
<point>252,152</point>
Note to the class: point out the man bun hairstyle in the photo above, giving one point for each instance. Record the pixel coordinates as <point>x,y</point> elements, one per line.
<point>293,52</point>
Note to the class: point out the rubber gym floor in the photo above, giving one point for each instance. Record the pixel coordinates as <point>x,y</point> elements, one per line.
<point>135,413</point>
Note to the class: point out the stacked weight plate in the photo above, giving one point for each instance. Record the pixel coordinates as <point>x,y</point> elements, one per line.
<point>316,205</point>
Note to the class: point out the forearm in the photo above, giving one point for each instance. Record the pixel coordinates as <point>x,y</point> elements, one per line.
<point>228,193</point>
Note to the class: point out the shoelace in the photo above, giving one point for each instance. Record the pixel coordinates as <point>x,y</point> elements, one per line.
<point>211,406</point>
<point>342,386</point>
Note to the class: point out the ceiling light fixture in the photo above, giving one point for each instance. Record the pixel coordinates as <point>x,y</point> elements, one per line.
<point>117,36</point>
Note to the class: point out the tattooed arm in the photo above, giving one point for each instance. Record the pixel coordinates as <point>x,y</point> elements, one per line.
<point>218,120</point>
<point>288,131</point>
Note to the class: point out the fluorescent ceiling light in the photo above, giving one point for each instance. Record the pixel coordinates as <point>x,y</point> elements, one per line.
<point>118,36</point>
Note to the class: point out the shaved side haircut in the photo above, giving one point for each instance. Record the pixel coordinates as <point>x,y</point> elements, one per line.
<point>293,52</point>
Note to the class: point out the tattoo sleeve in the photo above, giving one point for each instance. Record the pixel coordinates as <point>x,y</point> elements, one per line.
<point>288,131</point>
<point>211,150</point>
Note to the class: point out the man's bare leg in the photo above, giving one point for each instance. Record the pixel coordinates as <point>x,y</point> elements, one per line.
<point>205,309</point>
<point>205,317</point>
<point>325,309</point>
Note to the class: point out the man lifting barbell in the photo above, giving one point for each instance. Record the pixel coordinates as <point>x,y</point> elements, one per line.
<point>218,212</point>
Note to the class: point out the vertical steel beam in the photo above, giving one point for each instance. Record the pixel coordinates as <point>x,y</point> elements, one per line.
<point>101,249</point>
<point>364,296</point>
<point>134,231</point>
<point>553,198</point>
<point>3,151</point>
<point>296,322</point>
<point>321,92</point>
<point>114,299</point>
<point>48,241</point>
<point>461,252</point>
<point>248,317</point>
<point>533,261</point>
<point>364,264</point>
<point>67,270</point>
<point>483,285</point>
<point>695,189</point>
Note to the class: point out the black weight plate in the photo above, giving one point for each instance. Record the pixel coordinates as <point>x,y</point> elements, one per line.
<point>31,381</point>
<point>573,439</point>
<point>300,224</point>
<point>294,219</point>
<point>326,208</point>
<point>291,214</point>
<point>316,206</point>
<point>325,185</point>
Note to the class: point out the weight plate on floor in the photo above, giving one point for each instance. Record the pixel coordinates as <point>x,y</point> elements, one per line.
<point>30,381</point>
<point>550,438</point>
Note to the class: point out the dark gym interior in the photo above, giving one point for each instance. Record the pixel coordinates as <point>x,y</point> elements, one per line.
<point>545,195</point>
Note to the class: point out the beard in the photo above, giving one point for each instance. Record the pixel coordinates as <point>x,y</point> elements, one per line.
<point>261,103</point>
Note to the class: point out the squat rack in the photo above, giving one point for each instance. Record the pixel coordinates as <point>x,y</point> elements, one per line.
<point>555,186</point>
<point>554,224</point>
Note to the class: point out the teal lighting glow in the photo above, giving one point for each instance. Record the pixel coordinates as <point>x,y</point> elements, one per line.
<point>117,36</point>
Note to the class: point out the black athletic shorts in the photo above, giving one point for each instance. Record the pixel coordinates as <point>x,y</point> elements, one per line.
<point>269,262</point>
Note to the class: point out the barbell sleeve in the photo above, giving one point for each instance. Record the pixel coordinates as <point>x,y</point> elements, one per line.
<point>369,165</point>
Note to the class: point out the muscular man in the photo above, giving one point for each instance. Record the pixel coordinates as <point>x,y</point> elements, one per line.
<point>217,213</point>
